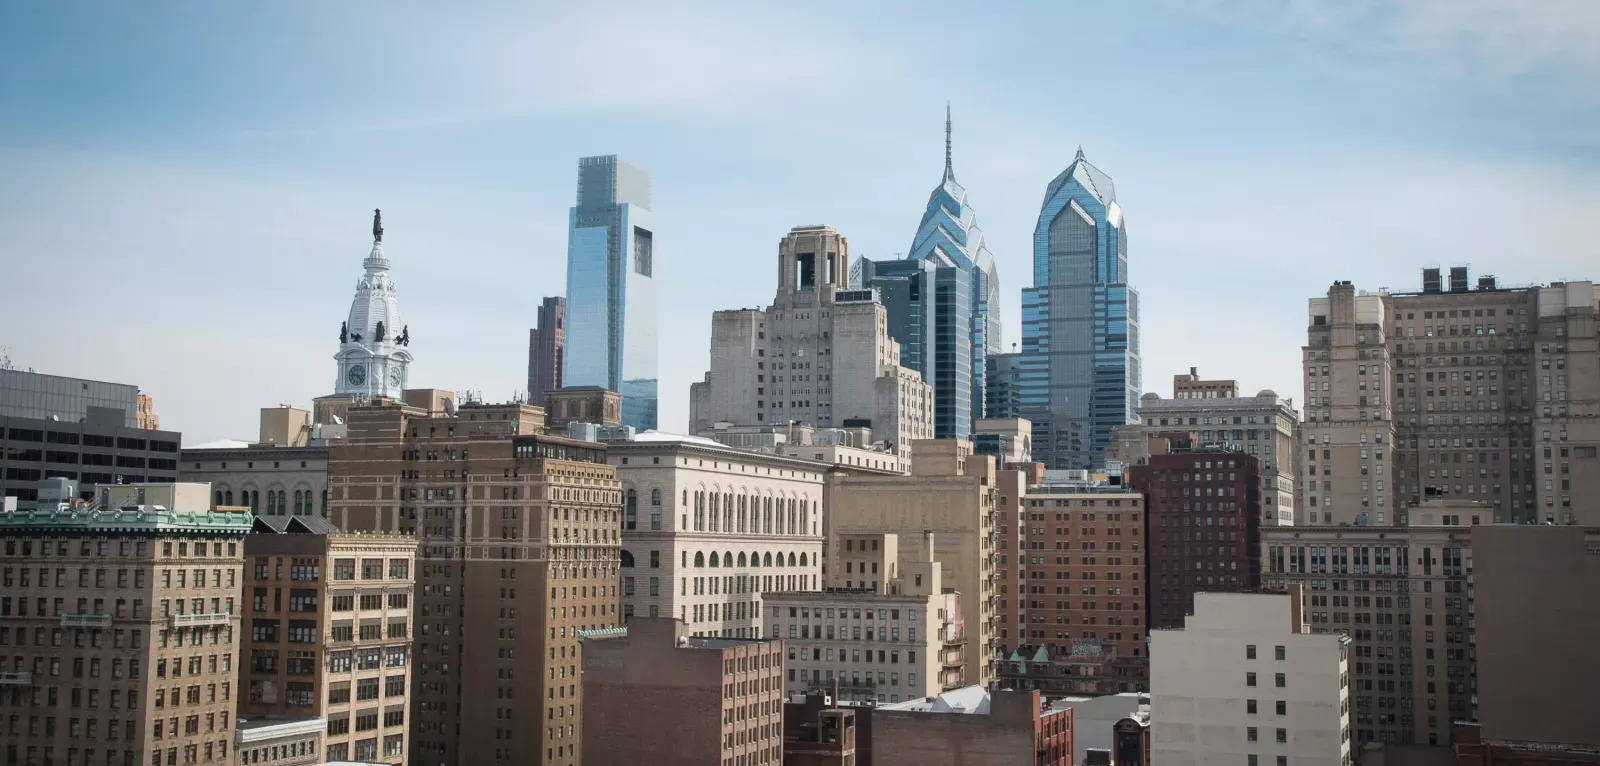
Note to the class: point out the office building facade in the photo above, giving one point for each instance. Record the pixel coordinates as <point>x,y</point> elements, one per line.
<point>1245,680</point>
<point>896,635</point>
<point>522,543</point>
<point>84,431</point>
<point>943,302</point>
<point>707,529</point>
<point>120,626</point>
<point>821,355</point>
<point>1487,393</point>
<point>547,347</point>
<point>330,634</point>
<point>1403,596</point>
<point>671,698</point>
<point>1074,554</point>
<point>611,310</point>
<point>951,493</point>
<point>1080,320</point>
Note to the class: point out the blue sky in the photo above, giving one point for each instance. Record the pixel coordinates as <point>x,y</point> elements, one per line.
<point>185,188</point>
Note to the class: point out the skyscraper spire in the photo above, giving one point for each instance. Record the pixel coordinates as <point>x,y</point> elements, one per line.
<point>1080,152</point>
<point>949,171</point>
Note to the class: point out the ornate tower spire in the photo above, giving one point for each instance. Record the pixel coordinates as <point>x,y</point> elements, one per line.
<point>949,170</point>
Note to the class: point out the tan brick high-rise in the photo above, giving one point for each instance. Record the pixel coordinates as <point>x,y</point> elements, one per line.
<point>520,540</point>
<point>1487,393</point>
<point>119,627</point>
<point>328,633</point>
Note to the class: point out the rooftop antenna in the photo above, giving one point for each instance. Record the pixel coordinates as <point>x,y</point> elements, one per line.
<point>949,171</point>
<point>5,358</point>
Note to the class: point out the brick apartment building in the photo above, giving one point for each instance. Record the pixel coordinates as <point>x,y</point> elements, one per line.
<point>1203,521</point>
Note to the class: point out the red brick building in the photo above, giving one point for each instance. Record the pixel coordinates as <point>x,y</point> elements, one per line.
<point>1203,510</point>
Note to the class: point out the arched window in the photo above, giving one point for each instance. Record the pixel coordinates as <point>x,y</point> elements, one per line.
<point>715,560</point>
<point>802,559</point>
<point>755,559</point>
<point>699,559</point>
<point>727,559</point>
<point>655,497</point>
<point>229,497</point>
<point>630,517</point>
<point>272,503</point>
<point>727,512</point>
<point>325,504</point>
<point>219,497</point>
<point>699,511</point>
<point>742,562</point>
<point>283,503</point>
<point>767,560</point>
<point>791,559</point>
<point>255,500</point>
<point>627,560</point>
<point>299,504</point>
<point>780,560</point>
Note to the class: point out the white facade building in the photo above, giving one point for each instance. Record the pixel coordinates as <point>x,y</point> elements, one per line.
<point>374,345</point>
<point>1246,683</point>
<point>707,529</point>
<point>820,355</point>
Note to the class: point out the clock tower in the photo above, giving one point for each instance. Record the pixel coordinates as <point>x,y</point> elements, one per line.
<point>374,346</point>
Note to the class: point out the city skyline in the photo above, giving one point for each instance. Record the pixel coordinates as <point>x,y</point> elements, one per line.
<point>237,190</point>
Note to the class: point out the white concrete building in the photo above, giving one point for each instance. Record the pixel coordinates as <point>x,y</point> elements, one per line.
<point>820,355</point>
<point>707,529</point>
<point>1246,682</point>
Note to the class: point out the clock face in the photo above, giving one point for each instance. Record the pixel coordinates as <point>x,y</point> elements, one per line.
<point>357,375</point>
<point>394,377</point>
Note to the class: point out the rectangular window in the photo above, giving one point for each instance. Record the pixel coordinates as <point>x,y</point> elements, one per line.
<point>1278,653</point>
<point>1249,679</point>
<point>1279,680</point>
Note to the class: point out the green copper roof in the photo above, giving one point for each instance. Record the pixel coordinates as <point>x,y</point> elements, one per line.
<point>135,520</point>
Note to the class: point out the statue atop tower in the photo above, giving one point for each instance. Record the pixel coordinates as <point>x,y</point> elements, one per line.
<point>377,225</point>
<point>373,359</point>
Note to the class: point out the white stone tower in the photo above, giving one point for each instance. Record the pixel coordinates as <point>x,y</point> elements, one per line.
<point>373,343</point>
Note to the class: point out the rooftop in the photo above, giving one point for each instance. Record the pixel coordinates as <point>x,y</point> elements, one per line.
<point>971,700</point>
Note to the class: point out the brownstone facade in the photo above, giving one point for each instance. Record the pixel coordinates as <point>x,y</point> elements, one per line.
<point>520,540</point>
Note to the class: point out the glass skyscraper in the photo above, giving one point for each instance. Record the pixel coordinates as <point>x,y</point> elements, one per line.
<point>943,302</point>
<point>1079,375</point>
<point>611,294</point>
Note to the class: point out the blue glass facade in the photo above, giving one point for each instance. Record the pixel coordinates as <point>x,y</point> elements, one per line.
<point>1080,367</point>
<point>611,294</point>
<point>952,328</point>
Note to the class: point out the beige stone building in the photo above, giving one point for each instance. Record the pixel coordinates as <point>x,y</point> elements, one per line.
<point>658,695</point>
<point>820,355</point>
<point>895,635</point>
<point>283,473</point>
<point>1491,393</point>
<point>952,494</point>
<point>329,617</point>
<point>144,414</point>
<point>1403,595</point>
<point>119,626</point>
<point>707,529</point>
<point>1265,426</point>
<point>520,539</point>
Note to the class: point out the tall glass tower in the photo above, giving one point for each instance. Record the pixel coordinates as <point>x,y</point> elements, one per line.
<point>1079,375</point>
<point>611,292</point>
<point>943,302</point>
